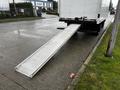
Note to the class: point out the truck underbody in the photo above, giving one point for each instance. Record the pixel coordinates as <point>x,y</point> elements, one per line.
<point>87,25</point>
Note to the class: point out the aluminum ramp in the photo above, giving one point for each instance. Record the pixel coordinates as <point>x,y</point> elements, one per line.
<point>39,58</point>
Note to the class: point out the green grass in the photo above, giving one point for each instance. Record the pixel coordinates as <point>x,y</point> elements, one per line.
<point>102,73</point>
<point>19,19</point>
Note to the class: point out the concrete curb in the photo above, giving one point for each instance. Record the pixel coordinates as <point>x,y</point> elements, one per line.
<point>82,69</point>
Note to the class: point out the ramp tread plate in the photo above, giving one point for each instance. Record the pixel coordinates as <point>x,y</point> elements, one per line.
<point>38,59</point>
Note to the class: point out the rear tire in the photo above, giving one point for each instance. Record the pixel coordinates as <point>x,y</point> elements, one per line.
<point>100,27</point>
<point>96,33</point>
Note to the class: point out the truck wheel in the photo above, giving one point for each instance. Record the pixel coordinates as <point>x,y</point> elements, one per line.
<point>100,27</point>
<point>96,33</point>
<point>76,34</point>
<point>103,24</point>
<point>68,23</point>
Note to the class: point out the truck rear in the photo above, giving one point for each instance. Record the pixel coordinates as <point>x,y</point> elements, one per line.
<point>91,14</point>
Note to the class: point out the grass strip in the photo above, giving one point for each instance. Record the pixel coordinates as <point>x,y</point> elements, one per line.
<point>20,19</point>
<point>102,73</point>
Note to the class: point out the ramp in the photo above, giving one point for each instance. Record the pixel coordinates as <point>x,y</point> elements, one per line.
<point>38,59</point>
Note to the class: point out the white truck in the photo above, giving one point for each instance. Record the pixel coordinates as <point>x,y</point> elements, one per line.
<point>91,14</point>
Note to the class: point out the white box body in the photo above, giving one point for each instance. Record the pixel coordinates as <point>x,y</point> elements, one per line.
<point>83,8</point>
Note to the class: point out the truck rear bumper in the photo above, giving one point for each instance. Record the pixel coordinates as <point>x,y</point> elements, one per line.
<point>87,25</point>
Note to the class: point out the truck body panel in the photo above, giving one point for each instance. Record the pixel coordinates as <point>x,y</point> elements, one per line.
<point>83,8</point>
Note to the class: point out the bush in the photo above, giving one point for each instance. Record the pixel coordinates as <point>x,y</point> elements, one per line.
<point>44,10</point>
<point>4,14</point>
<point>53,13</point>
<point>28,9</point>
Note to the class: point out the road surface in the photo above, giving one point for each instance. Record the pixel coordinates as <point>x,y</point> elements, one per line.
<point>18,40</point>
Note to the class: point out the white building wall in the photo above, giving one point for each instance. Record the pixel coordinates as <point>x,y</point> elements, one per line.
<point>43,3</point>
<point>4,5</point>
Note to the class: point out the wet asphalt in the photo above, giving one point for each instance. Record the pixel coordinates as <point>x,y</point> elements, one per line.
<point>18,40</point>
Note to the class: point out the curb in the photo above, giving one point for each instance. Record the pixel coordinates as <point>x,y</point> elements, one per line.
<point>82,69</point>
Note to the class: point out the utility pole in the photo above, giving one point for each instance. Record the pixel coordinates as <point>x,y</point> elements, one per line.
<point>35,9</point>
<point>111,5</point>
<point>15,7</point>
<point>114,32</point>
